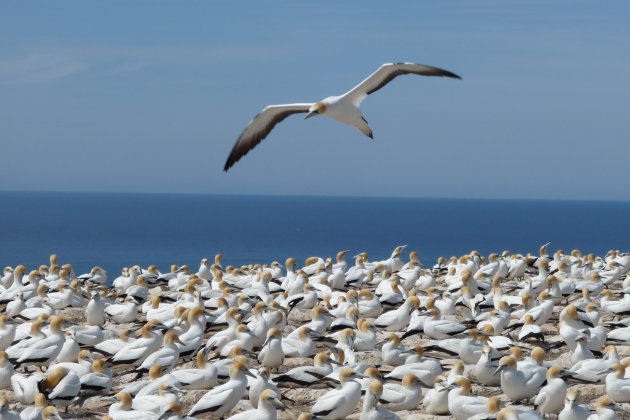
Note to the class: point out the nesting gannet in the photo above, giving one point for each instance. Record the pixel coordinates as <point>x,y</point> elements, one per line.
<point>97,382</point>
<point>204,377</point>
<point>125,312</point>
<point>406,396</point>
<point>343,108</point>
<point>266,406</point>
<point>550,399</point>
<point>461,404</point>
<point>167,393</point>
<point>7,278</point>
<point>438,329</point>
<point>272,355</point>
<point>110,347</point>
<point>605,408</point>
<point>398,319</point>
<point>6,370</point>
<point>16,306</point>
<point>165,357</point>
<point>424,368</point>
<point>365,338</point>
<point>95,310</point>
<point>572,410</point>
<point>135,352</point>
<point>121,409</point>
<point>371,410</point>
<point>617,386</point>
<point>62,298</point>
<point>581,352</point>
<point>302,346</point>
<point>307,376</point>
<point>88,335</point>
<point>435,401</point>
<point>517,384</point>
<point>60,386</point>
<point>27,334</point>
<point>486,366</point>
<point>243,337</point>
<point>44,350</point>
<point>35,411</point>
<point>218,401</point>
<point>260,384</point>
<point>595,370</point>
<point>82,366</point>
<point>341,402</point>
<point>193,337</point>
<point>151,385</point>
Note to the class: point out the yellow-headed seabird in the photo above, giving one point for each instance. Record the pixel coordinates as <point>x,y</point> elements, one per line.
<point>343,108</point>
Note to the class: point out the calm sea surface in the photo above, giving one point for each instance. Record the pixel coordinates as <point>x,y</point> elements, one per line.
<point>116,230</point>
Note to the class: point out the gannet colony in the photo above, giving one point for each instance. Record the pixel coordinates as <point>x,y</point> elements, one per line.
<point>507,336</point>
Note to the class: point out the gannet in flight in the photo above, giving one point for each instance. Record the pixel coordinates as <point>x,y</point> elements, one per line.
<point>343,108</point>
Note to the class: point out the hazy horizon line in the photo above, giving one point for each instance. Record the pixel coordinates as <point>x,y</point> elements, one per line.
<point>318,196</point>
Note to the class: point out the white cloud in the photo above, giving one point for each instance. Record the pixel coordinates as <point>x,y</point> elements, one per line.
<point>35,68</point>
<point>42,66</point>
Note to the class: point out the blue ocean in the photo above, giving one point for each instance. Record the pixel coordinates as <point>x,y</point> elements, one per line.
<point>117,230</point>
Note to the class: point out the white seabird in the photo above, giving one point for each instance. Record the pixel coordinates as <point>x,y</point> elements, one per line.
<point>343,108</point>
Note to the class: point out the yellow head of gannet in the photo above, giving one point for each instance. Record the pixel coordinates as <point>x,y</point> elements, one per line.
<point>606,402</point>
<point>506,362</point>
<point>373,373</point>
<point>516,352</point>
<point>409,380</point>
<point>538,354</point>
<point>155,371</point>
<point>239,367</point>
<point>347,374</point>
<point>40,400</point>
<point>493,405</point>
<point>458,368</point>
<point>194,314</point>
<point>56,322</point>
<point>269,397</point>
<point>464,383</point>
<point>98,365</point>
<point>553,372</point>
<point>290,263</point>
<point>53,378</point>
<point>347,336</point>
<point>376,388</point>
<point>50,413</point>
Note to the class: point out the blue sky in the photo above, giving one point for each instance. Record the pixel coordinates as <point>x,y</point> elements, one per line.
<point>149,96</point>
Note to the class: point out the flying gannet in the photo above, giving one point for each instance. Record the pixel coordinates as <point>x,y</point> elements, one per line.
<point>343,108</point>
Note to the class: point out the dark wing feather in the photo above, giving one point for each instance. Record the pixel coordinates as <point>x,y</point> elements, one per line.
<point>260,127</point>
<point>389,71</point>
<point>400,72</point>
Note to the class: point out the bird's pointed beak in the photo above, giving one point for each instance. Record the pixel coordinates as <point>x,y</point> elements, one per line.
<point>279,404</point>
<point>498,369</point>
<point>310,114</point>
<point>448,388</point>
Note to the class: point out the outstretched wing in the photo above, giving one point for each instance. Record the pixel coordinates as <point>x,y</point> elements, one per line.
<point>386,73</point>
<point>260,127</point>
